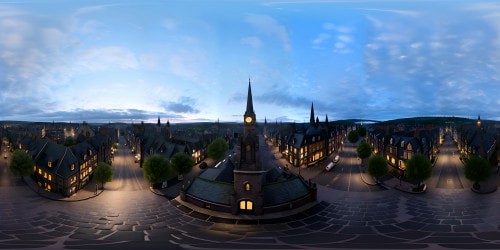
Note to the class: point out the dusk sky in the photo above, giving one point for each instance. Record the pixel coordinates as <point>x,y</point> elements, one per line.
<point>188,61</point>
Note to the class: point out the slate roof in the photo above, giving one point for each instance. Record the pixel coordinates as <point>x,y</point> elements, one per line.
<point>60,156</point>
<point>284,191</point>
<point>213,191</point>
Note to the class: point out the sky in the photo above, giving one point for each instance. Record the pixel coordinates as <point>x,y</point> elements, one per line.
<point>189,61</point>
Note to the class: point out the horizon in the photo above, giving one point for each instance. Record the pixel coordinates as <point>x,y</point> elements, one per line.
<point>191,62</point>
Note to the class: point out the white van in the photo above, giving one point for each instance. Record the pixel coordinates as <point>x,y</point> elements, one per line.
<point>330,166</point>
<point>337,158</point>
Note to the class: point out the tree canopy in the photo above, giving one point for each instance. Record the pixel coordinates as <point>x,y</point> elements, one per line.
<point>217,148</point>
<point>353,136</point>
<point>182,163</point>
<point>419,168</point>
<point>364,150</point>
<point>103,173</point>
<point>21,163</point>
<point>156,169</point>
<point>377,166</point>
<point>477,169</point>
<point>69,141</point>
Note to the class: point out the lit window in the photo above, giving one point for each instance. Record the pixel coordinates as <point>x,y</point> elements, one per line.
<point>39,171</point>
<point>49,164</point>
<point>50,177</point>
<point>72,167</point>
<point>247,186</point>
<point>246,205</point>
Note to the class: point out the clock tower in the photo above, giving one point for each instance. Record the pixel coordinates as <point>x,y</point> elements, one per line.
<point>248,173</point>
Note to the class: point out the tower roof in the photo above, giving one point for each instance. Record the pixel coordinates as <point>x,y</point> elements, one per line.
<point>249,110</point>
<point>311,121</point>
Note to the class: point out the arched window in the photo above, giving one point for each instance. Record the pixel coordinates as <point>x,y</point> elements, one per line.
<point>246,205</point>
<point>248,187</point>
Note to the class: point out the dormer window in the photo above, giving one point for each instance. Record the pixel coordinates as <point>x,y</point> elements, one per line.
<point>49,164</point>
<point>72,167</point>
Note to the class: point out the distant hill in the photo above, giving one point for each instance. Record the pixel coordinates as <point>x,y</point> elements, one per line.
<point>436,120</point>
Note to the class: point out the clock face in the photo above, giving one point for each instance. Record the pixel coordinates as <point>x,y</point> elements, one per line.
<point>248,119</point>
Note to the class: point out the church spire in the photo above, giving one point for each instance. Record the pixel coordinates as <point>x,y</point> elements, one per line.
<point>478,122</point>
<point>158,124</point>
<point>311,121</point>
<point>249,110</point>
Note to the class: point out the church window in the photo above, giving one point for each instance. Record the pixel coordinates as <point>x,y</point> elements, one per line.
<point>247,186</point>
<point>246,205</point>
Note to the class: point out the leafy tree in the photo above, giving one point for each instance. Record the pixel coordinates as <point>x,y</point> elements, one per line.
<point>115,145</point>
<point>364,151</point>
<point>362,131</point>
<point>353,136</point>
<point>21,163</point>
<point>156,169</point>
<point>377,166</point>
<point>69,141</point>
<point>477,169</point>
<point>103,173</point>
<point>182,163</point>
<point>217,149</point>
<point>419,168</point>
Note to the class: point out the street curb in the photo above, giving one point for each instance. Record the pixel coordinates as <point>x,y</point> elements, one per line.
<point>41,192</point>
<point>411,192</point>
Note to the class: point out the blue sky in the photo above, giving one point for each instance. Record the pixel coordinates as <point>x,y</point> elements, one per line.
<point>103,61</point>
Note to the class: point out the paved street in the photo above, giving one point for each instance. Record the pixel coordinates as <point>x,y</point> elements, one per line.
<point>448,166</point>
<point>128,215</point>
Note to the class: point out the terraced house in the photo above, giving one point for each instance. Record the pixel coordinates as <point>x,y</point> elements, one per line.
<point>307,146</point>
<point>481,139</point>
<point>399,144</point>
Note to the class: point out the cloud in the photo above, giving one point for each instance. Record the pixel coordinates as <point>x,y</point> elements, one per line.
<point>97,115</point>
<point>183,105</point>
<point>340,29</point>
<point>344,38</point>
<point>108,57</point>
<point>400,12</point>
<point>149,60</point>
<point>253,41</point>
<point>169,24</point>
<point>321,38</point>
<point>270,27</point>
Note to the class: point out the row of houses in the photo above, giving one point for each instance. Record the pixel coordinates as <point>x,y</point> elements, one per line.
<point>60,168</point>
<point>146,140</point>
<point>303,145</point>
<point>399,143</point>
<point>480,139</point>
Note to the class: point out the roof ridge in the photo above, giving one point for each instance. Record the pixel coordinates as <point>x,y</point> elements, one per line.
<point>39,152</point>
<point>61,159</point>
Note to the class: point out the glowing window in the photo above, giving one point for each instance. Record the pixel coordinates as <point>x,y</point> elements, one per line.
<point>246,205</point>
<point>50,177</point>
<point>72,167</point>
<point>39,171</point>
<point>247,186</point>
<point>49,164</point>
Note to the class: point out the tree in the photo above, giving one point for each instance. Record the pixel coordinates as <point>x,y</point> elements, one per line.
<point>156,169</point>
<point>364,151</point>
<point>182,163</point>
<point>419,168</point>
<point>21,163</point>
<point>362,131</point>
<point>69,141</point>
<point>103,173</point>
<point>353,136</point>
<point>477,169</point>
<point>377,166</point>
<point>217,149</point>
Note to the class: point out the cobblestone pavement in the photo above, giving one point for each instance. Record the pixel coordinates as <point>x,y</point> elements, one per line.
<point>117,220</point>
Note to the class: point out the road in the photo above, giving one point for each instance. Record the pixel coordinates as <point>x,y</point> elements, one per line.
<point>345,176</point>
<point>128,176</point>
<point>448,166</point>
<point>6,177</point>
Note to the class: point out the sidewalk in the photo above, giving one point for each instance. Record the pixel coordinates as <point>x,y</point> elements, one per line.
<point>88,192</point>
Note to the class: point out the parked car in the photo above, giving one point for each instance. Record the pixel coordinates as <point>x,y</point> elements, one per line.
<point>337,158</point>
<point>203,165</point>
<point>330,166</point>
